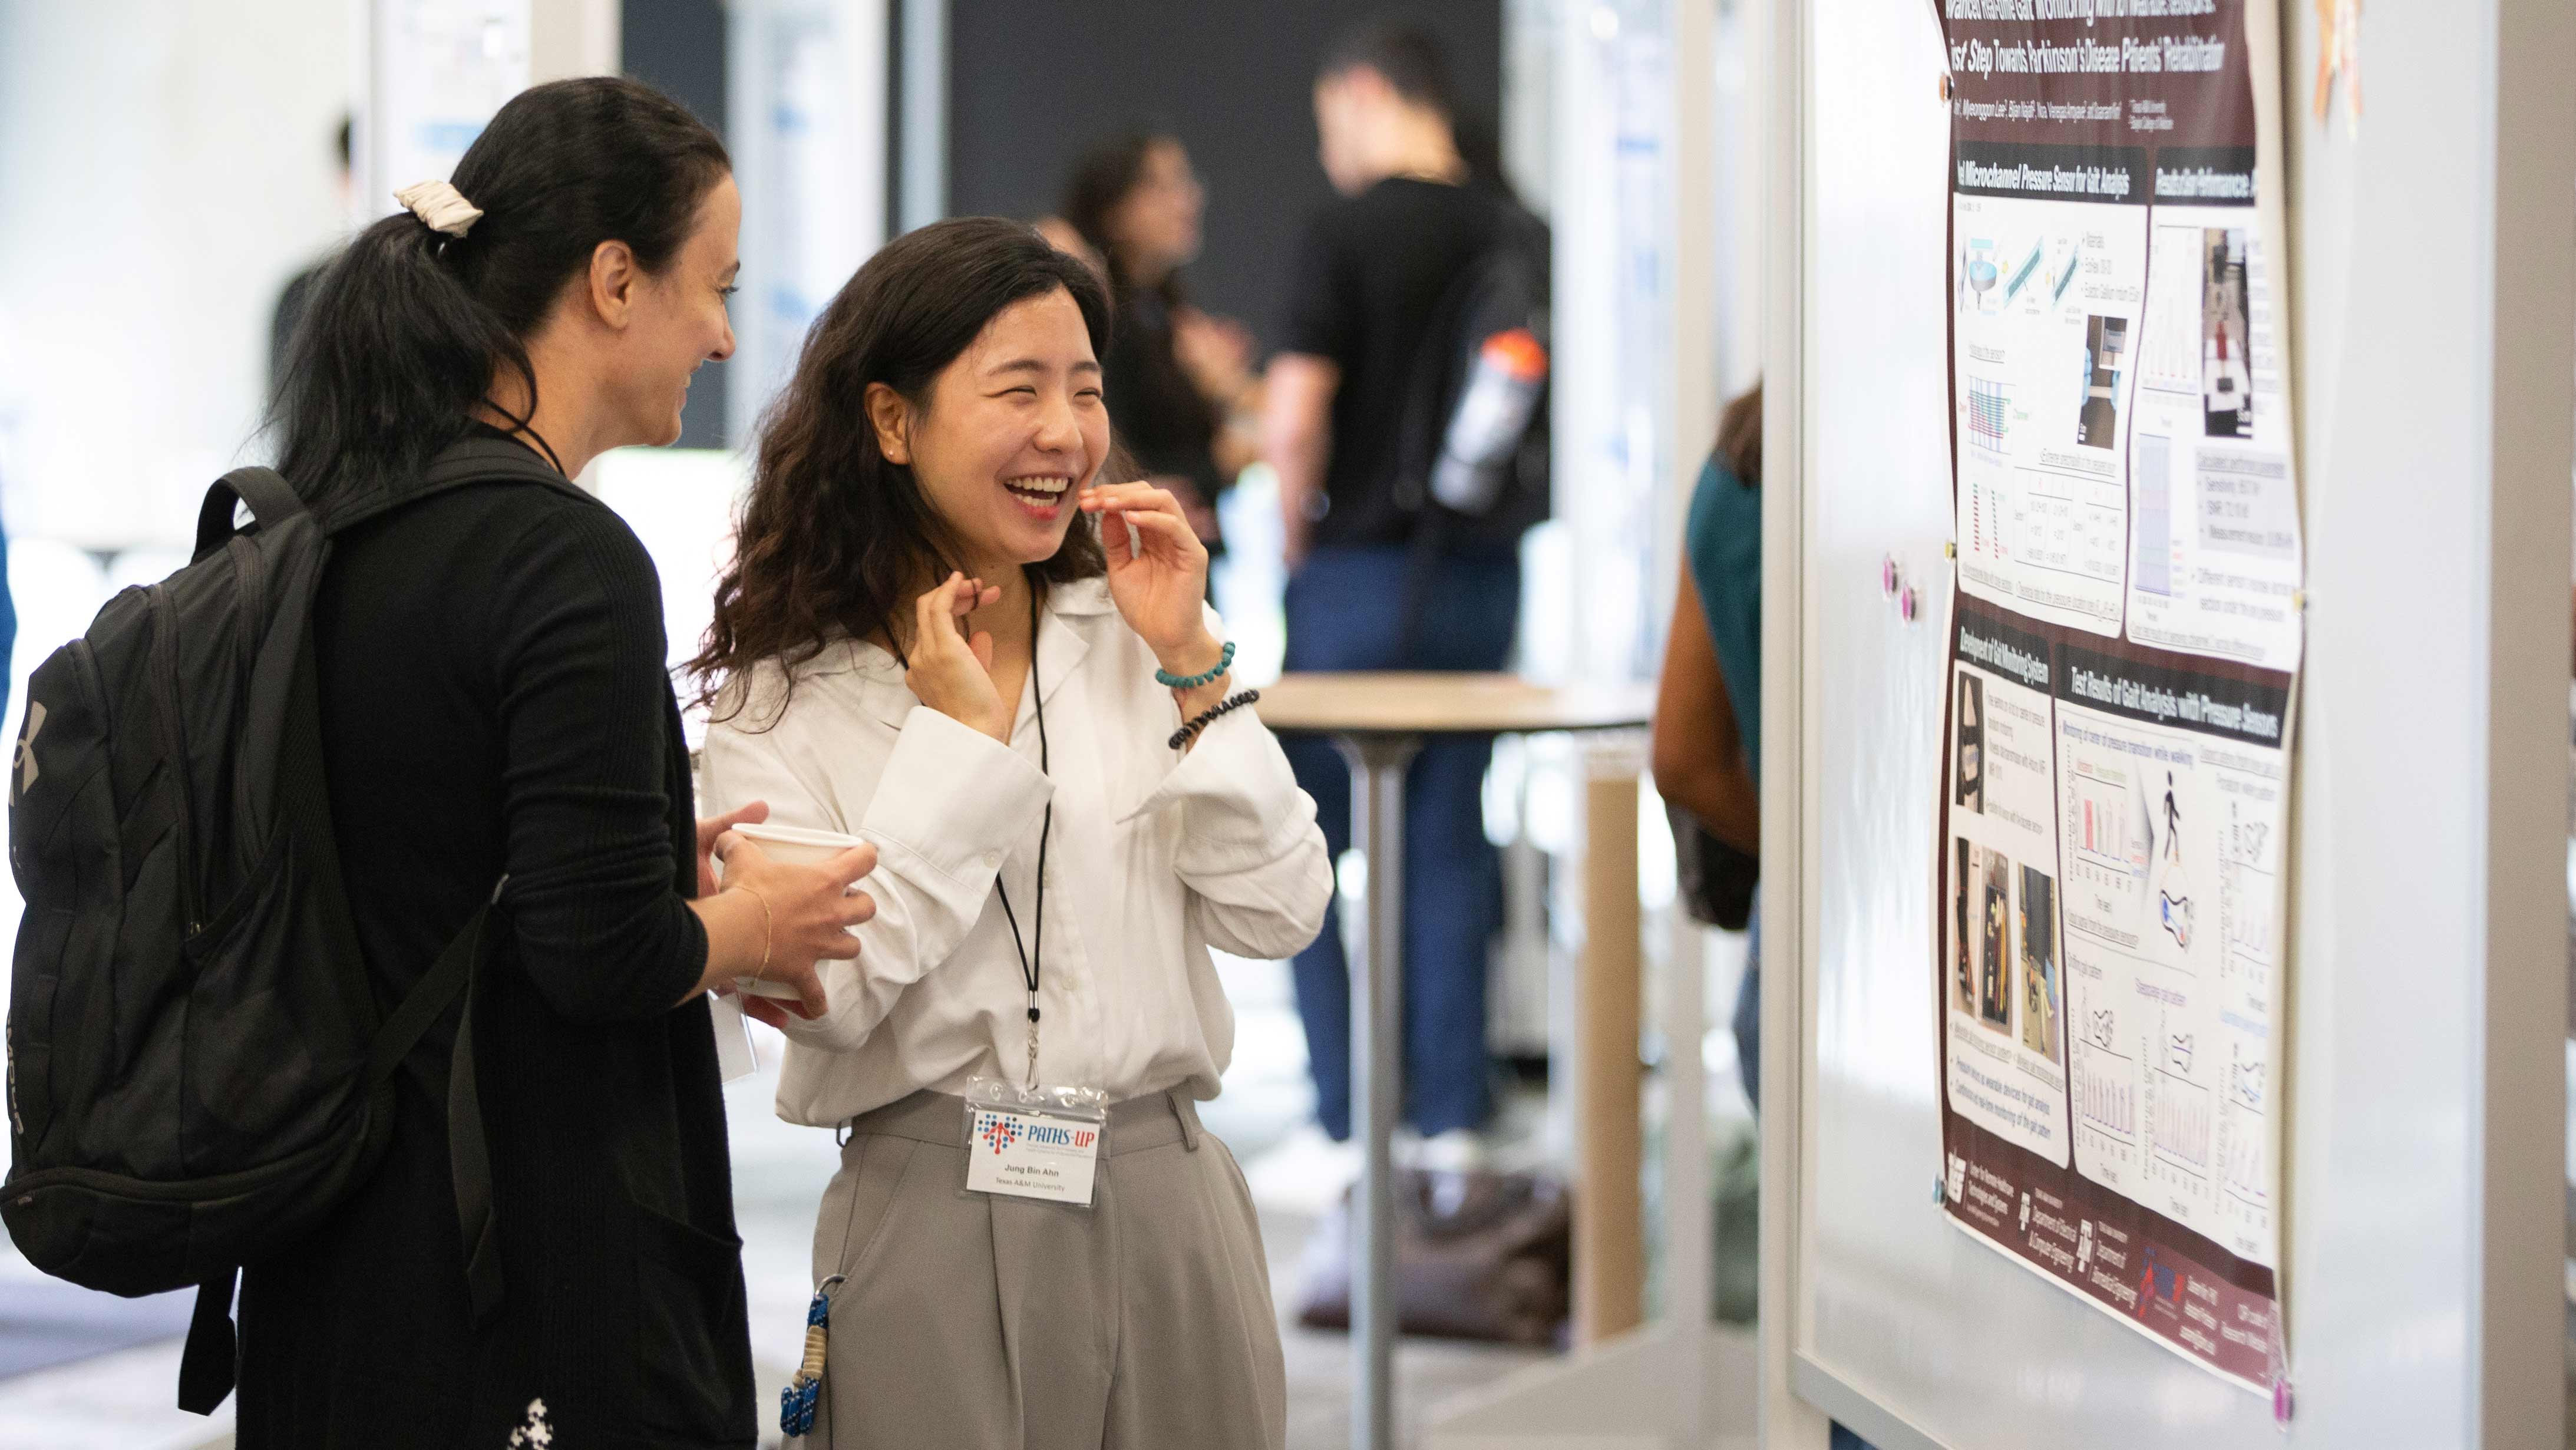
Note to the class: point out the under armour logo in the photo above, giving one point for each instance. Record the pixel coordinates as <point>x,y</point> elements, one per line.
<point>26,759</point>
<point>533,1433</point>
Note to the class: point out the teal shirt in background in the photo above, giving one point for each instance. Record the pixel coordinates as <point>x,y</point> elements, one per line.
<point>1724,541</point>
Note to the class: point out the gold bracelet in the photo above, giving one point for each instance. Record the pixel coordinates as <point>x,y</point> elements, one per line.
<point>768,927</point>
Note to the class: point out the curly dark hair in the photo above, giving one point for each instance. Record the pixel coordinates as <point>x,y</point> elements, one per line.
<point>834,538</point>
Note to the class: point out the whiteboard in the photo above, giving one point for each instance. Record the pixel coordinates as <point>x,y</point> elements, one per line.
<point>2423,1127</point>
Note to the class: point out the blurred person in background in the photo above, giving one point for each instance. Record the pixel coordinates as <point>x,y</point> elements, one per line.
<point>1708,704</point>
<point>1707,753</point>
<point>1062,236</point>
<point>1368,304</point>
<point>1180,385</point>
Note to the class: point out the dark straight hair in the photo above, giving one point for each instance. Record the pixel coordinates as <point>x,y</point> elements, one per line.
<point>834,538</point>
<point>1403,53</point>
<point>1102,180</point>
<point>409,329</point>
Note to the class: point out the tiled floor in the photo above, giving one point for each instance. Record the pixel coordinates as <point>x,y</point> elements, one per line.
<point>123,1400</point>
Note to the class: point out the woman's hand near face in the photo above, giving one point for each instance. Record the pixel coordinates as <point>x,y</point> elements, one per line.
<point>1159,578</point>
<point>951,671</point>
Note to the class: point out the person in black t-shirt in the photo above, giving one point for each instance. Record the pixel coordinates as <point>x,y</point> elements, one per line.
<point>1366,590</point>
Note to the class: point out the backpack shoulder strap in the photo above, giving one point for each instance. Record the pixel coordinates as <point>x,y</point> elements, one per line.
<point>272,502</point>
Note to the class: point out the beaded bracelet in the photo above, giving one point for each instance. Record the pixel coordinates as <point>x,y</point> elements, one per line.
<point>1190,732</point>
<point>1170,681</point>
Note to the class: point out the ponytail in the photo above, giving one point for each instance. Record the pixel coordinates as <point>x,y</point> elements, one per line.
<point>410,330</point>
<point>388,365</point>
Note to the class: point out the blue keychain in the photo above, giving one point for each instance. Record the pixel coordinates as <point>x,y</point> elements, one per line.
<point>797,1402</point>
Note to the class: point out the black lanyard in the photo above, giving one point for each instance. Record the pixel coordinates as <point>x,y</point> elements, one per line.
<point>1033,952</point>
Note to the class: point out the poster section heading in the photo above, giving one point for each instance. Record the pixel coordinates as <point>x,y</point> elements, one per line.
<point>2249,711</point>
<point>2111,175</point>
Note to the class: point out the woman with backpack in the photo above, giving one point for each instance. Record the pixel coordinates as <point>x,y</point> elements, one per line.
<point>924,641</point>
<point>494,708</point>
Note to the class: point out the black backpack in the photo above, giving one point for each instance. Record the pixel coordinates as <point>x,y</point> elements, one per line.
<point>1503,290</point>
<point>199,1070</point>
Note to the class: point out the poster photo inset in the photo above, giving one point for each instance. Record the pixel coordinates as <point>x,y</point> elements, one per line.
<point>1990,885</point>
<point>2226,386</point>
<point>1981,913</point>
<point>1969,767</point>
<point>2042,996</point>
<point>2106,349</point>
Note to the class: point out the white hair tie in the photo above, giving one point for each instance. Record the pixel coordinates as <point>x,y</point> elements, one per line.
<point>440,207</point>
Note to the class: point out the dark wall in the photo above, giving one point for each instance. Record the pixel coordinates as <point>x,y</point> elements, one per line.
<point>678,47</point>
<point>1032,83</point>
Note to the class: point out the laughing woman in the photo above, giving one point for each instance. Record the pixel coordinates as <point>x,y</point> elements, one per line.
<point>925,642</point>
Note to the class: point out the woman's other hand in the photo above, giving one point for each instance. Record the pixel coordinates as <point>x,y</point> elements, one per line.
<point>1158,576</point>
<point>710,830</point>
<point>1216,352</point>
<point>808,913</point>
<point>952,671</point>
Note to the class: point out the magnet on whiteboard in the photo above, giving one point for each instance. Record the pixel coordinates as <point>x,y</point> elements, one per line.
<point>1949,548</point>
<point>1908,604</point>
<point>2299,600</point>
<point>2281,1402</point>
<point>1940,1193</point>
<point>1889,576</point>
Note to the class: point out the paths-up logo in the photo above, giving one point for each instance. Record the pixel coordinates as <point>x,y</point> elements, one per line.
<point>999,1132</point>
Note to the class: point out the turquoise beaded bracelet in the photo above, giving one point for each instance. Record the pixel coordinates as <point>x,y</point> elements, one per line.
<point>1170,681</point>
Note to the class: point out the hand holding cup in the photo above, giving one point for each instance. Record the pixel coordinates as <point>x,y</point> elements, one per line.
<point>809,910</point>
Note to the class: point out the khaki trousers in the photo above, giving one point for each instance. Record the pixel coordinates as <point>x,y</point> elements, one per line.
<point>982,1322</point>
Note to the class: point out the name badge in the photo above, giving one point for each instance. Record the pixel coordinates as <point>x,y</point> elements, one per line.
<point>1025,1154</point>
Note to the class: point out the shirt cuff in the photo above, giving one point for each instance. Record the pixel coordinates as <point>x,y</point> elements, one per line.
<point>953,797</point>
<point>1236,790</point>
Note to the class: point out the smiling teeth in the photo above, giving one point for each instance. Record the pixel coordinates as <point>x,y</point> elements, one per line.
<point>1049,486</point>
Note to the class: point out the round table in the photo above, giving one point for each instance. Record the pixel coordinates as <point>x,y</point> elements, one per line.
<point>1379,721</point>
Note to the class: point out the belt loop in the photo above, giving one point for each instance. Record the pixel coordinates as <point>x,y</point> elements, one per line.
<point>841,1134</point>
<point>1189,1119</point>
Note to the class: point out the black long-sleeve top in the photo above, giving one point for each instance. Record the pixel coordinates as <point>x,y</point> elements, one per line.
<point>494,701</point>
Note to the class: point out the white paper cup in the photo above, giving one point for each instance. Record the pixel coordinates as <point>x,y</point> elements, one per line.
<point>794,846</point>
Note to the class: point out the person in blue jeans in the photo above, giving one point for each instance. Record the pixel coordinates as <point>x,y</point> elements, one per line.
<point>1380,578</point>
<point>1344,614</point>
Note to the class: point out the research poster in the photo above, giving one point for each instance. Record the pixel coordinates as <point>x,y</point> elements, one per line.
<point>2124,662</point>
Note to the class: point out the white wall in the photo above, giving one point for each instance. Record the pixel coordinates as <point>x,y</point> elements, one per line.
<point>165,167</point>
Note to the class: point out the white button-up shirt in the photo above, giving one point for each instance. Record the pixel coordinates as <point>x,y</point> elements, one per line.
<point>1153,857</point>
